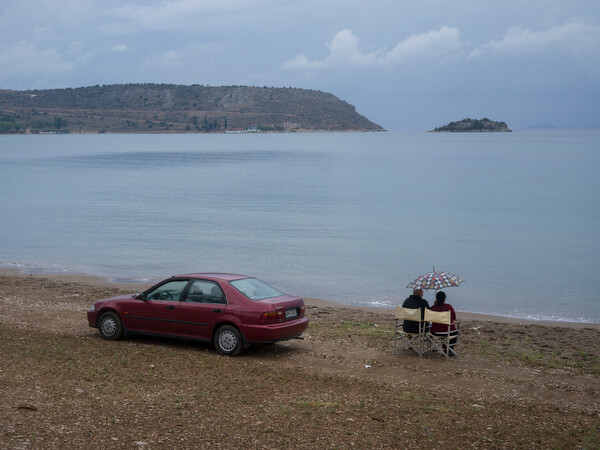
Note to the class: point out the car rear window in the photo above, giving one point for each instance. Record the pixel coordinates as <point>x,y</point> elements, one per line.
<point>255,289</point>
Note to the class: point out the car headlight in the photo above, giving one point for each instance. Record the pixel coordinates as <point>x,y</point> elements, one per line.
<point>93,307</point>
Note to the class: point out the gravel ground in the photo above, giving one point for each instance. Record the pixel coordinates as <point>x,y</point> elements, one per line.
<point>514,384</point>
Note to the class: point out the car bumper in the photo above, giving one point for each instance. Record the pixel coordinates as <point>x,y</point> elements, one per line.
<point>275,332</point>
<point>92,317</point>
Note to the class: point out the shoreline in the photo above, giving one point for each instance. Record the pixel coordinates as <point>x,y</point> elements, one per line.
<point>514,384</point>
<point>299,131</point>
<point>93,280</point>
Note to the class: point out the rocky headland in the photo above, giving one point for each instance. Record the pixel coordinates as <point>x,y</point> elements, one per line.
<point>144,108</point>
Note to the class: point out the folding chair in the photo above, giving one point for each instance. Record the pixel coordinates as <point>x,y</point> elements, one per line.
<point>414,341</point>
<point>441,342</point>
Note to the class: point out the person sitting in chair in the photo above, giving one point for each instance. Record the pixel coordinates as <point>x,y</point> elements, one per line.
<point>414,301</point>
<point>438,328</point>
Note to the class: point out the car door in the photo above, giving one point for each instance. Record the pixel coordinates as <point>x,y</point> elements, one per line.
<point>202,307</point>
<point>156,311</point>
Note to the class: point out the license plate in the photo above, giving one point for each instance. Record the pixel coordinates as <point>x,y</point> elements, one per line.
<point>291,313</point>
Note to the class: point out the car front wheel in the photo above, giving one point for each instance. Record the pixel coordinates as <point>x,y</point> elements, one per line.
<point>228,340</point>
<point>110,327</point>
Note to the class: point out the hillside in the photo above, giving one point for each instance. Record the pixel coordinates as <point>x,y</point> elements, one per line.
<point>135,108</point>
<point>474,125</point>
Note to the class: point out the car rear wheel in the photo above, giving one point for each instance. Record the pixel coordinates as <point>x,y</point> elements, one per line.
<point>110,327</point>
<point>228,340</point>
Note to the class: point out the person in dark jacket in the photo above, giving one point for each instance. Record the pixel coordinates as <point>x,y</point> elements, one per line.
<point>414,301</point>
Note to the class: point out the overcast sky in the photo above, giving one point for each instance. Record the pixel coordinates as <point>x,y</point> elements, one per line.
<point>406,65</point>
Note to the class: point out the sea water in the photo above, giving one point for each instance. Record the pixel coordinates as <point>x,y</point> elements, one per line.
<point>351,217</point>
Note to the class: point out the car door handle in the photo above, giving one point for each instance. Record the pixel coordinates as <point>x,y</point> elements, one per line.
<point>170,306</point>
<point>216,310</point>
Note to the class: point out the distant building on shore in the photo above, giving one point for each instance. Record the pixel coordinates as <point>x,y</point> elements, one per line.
<point>242,130</point>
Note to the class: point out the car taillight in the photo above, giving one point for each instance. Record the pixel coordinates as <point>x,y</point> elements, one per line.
<point>302,309</point>
<point>273,316</point>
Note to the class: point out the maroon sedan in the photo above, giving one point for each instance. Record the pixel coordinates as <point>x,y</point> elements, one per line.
<point>231,311</point>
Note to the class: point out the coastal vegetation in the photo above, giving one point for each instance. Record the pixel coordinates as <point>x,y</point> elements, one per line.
<point>474,125</point>
<point>143,108</point>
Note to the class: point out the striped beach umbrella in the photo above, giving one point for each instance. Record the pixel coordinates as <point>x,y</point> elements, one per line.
<point>435,280</point>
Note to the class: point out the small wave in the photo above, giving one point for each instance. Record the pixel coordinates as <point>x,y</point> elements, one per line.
<point>122,280</point>
<point>53,269</point>
<point>539,317</point>
<point>36,269</point>
<point>369,303</point>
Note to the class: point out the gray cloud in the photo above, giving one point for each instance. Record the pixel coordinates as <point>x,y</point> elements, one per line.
<point>344,52</point>
<point>574,37</point>
<point>23,58</point>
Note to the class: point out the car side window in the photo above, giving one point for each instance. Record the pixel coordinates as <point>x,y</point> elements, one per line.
<point>203,291</point>
<point>170,291</point>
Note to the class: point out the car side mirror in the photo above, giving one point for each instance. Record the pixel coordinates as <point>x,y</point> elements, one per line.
<point>141,296</point>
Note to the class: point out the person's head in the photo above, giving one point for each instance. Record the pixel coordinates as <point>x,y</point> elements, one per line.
<point>440,298</point>
<point>418,292</point>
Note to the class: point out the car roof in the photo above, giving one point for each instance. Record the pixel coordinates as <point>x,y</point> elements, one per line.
<point>214,276</point>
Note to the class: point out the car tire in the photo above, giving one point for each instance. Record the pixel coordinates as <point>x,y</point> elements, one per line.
<point>228,340</point>
<point>110,326</point>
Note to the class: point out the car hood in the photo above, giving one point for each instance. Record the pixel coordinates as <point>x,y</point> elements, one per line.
<point>118,298</point>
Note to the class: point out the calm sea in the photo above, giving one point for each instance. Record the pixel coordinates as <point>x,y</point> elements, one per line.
<point>352,217</point>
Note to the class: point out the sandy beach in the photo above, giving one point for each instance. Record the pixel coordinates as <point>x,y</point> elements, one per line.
<point>515,383</point>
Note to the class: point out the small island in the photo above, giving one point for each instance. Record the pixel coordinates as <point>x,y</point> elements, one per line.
<point>473,125</point>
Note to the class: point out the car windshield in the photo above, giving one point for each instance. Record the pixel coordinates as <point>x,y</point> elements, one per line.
<point>255,289</point>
